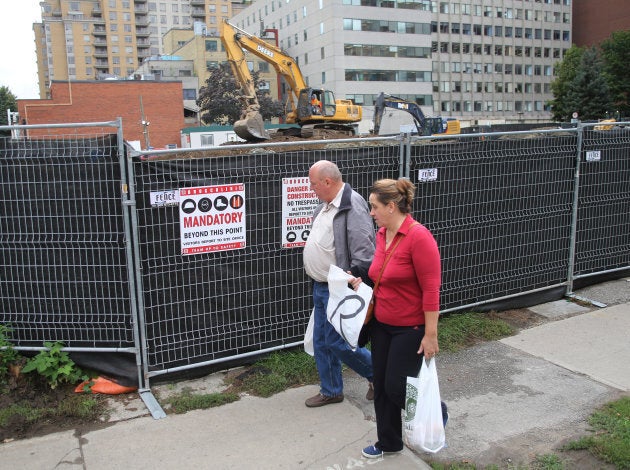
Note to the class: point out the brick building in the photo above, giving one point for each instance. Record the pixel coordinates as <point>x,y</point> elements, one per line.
<point>107,100</point>
<point>595,20</point>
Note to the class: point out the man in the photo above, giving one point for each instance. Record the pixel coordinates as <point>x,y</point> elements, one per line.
<point>316,105</point>
<point>342,234</point>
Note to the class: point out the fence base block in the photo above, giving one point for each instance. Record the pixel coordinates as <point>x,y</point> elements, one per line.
<point>152,405</point>
<point>584,299</point>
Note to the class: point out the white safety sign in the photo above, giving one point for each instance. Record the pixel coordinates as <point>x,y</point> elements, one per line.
<point>212,218</point>
<point>298,204</point>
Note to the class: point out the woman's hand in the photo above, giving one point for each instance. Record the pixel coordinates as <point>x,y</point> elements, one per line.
<point>429,345</point>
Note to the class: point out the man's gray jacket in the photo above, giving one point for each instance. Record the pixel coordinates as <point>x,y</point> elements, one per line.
<point>353,229</point>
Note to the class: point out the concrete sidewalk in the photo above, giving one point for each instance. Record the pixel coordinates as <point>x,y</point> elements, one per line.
<point>508,400</point>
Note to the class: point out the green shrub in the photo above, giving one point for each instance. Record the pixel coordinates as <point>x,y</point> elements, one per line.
<point>55,366</point>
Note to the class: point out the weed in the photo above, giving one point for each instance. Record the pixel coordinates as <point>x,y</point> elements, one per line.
<point>547,462</point>
<point>187,401</point>
<point>55,366</point>
<point>72,406</point>
<point>458,331</point>
<point>22,410</point>
<point>8,355</point>
<point>277,372</point>
<point>611,441</point>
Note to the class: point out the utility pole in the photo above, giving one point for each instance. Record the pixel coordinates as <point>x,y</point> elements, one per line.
<point>145,126</point>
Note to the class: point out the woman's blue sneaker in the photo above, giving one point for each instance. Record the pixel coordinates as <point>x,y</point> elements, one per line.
<point>444,413</point>
<point>372,452</point>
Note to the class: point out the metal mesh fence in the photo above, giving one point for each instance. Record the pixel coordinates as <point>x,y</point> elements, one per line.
<point>63,266</point>
<point>500,208</point>
<point>603,209</point>
<point>513,213</point>
<point>209,306</point>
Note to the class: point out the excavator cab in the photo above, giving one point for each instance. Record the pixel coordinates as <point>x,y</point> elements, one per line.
<point>315,105</point>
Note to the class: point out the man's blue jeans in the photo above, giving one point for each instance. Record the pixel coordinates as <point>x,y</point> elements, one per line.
<point>331,349</point>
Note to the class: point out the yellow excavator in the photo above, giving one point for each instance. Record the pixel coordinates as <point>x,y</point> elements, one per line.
<point>315,110</point>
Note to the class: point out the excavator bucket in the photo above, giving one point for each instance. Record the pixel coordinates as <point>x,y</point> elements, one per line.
<point>251,127</point>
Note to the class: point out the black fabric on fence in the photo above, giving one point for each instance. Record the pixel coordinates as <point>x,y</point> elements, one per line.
<point>603,231</point>
<point>215,305</point>
<point>499,212</point>
<point>63,273</point>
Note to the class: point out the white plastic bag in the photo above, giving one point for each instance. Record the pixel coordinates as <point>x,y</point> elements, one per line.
<point>308,335</point>
<point>346,308</point>
<point>423,425</point>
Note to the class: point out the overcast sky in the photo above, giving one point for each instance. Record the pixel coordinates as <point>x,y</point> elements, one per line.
<point>18,65</point>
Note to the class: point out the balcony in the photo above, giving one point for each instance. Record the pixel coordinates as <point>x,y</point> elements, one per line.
<point>100,52</point>
<point>102,64</point>
<point>197,3</point>
<point>142,32</point>
<point>96,11</point>
<point>142,21</point>
<point>143,43</point>
<point>99,31</point>
<point>198,13</point>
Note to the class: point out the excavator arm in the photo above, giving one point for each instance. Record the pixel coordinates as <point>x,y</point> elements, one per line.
<point>234,40</point>
<point>386,101</point>
<point>330,117</point>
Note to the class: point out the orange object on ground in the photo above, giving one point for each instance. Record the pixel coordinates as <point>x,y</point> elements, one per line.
<point>103,385</point>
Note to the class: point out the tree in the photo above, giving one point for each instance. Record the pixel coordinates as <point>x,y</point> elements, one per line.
<point>7,101</point>
<point>616,56</point>
<point>219,98</point>
<point>565,72</point>
<point>588,93</point>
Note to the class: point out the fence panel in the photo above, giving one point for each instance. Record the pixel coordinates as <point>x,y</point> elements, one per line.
<point>208,307</point>
<point>603,222</point>
<point>63,265</point>
<point>500,207</point>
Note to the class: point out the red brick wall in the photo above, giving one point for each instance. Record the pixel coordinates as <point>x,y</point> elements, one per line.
<point>106,100</point>
<point>595,20</point>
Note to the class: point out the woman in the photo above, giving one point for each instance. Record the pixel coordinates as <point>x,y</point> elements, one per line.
<point>406,309</point>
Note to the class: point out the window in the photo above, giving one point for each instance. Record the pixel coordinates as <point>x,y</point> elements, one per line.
<point>190,94</point>
<point>207,140</point>
<point>211,46</point>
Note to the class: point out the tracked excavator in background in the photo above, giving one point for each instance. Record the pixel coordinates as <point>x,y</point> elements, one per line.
<point>426,126</point>
<point>329,116</point>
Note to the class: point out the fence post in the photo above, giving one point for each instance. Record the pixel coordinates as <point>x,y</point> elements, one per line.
<point>136,289</point>
<point>405,155</point>
<point>574,211</point>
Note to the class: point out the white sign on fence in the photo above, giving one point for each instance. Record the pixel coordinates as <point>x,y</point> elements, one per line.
<point>298,204</point>
<point>212,218</point>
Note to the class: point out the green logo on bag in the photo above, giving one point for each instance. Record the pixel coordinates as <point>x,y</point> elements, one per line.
<point>411,402</point>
